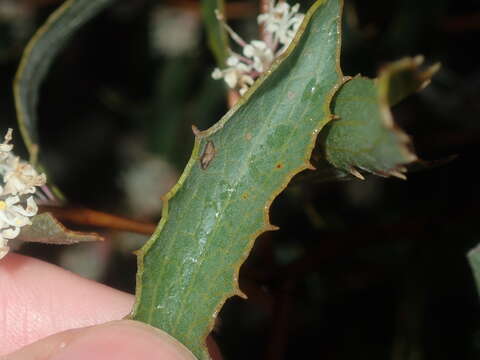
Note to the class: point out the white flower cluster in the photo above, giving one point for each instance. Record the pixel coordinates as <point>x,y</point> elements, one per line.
<point>17,186</point>
<point>280,24</point>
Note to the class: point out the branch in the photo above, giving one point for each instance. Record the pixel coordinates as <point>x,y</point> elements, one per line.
<point>83,216</point>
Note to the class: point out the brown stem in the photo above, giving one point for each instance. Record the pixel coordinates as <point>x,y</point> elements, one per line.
<point>83,216</point>
<point>264,6</point>
<point>232,98</point>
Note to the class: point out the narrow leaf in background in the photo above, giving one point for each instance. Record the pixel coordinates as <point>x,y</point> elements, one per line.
<point>217,36</point>
<point>474,260</point>
<point>37,58</point>
<point>36,61</point>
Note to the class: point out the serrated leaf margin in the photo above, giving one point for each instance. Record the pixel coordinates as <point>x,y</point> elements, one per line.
<point>195,156</point>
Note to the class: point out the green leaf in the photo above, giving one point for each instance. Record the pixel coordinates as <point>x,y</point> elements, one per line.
<point>220,205</point>
<point>37,58</point>
<point>217,36</point>
<point>474,260</point>
<point>404,77</point>
<point>48,230</point>
<point>365,137</point>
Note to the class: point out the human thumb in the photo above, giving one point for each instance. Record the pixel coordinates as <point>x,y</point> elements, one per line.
<point>119,340</point>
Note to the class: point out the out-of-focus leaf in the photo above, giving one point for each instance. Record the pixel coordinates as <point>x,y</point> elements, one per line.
<point>48,230</point>
<point>402,78</point>
<point>37,58</point>
<point>365,137</point>
<point>474,260</point>
<point>172,87</point>
<point>217,36</point>
<point>220,205</point>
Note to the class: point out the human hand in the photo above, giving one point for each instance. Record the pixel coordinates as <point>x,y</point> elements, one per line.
<point>40,303</point>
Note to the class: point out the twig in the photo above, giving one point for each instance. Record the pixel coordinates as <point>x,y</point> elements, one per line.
<point>232,98</point>
<point>83,216</point>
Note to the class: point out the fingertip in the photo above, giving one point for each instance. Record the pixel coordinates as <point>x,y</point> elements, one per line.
<point>119,340</point>
<point>39,299</point>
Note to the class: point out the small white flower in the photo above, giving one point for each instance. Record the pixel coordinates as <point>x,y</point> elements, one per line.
<point>12,214</point>
<point>261,55</point>
<point>3,247</point>
<point>280,23</point>
<point>17,179</point>
<point>245,83</point>
<point>236,75</point>
<point>20,177</point>
<point>5,235</point>
<point>5,147</point>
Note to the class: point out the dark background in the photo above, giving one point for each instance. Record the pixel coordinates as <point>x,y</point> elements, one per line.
<point>365,270</point>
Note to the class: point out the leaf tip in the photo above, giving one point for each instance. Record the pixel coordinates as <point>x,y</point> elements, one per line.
<point>427,75</point>
<point>240,293</point>
<point>356,173</point>
<point>195,131</point>
<point>418,60</point>
<point>310,166</point>
<point>398,174</point>
<point>271,227</point>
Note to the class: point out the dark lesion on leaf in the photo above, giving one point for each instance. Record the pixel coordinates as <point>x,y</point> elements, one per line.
<point>208,154</point>
<point>279,166</point>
